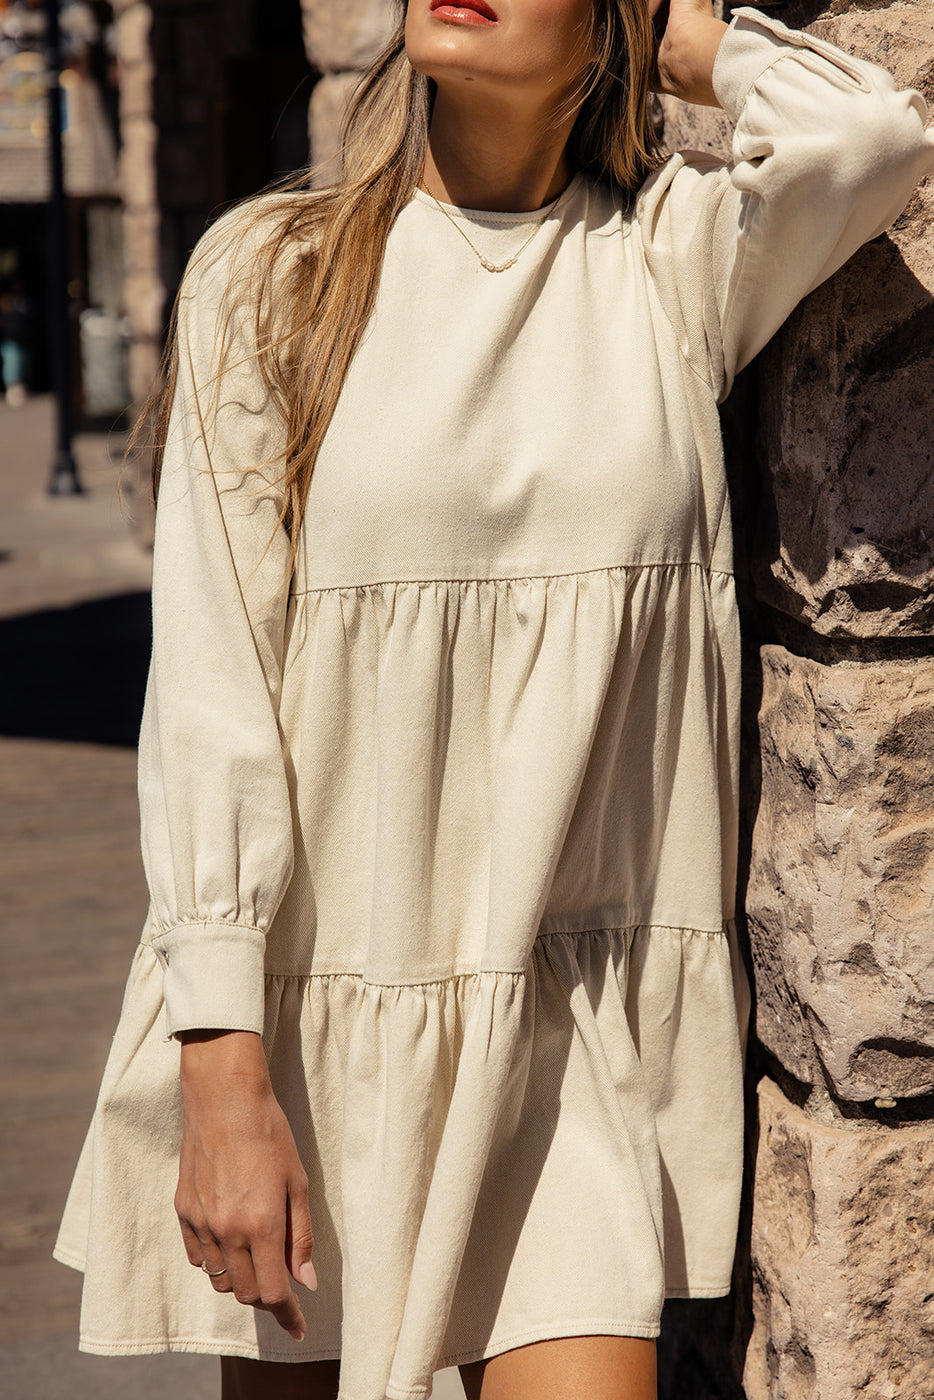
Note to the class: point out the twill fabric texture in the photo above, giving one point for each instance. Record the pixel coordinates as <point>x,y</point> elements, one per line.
<point>448,812</point>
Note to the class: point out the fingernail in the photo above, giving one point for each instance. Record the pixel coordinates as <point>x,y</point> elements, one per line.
<point>306,1273</point>
<point>297,1334</point>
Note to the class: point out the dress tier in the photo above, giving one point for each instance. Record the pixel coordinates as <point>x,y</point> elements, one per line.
<point>451,818</point>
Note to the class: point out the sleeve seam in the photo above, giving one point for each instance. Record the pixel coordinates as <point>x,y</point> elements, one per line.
<point>722,374</point>
<point>710,571</point>
<point>796,44</point>
<point>766,68</point>
<point>672,321</point>
<point>798,54</point>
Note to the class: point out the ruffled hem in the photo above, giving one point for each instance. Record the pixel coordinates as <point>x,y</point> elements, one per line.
<point>445,1130</point>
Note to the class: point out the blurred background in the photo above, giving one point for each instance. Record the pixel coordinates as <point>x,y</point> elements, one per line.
<point>169,113</point>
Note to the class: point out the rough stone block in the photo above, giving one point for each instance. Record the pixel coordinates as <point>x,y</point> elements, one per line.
<point>840,899</point>
<point>847,544</point>
<point>325,121</point>
<point>691,128</point>
<point>843,1257</point>
<point>347,36</point>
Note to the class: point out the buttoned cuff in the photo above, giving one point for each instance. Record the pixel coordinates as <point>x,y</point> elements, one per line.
<point>213,977</point>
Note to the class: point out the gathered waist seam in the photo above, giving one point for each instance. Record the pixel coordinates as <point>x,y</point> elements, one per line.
<point>634,927</point>
<point>634,567</point>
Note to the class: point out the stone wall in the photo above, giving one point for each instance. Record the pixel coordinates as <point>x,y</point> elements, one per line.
<point>840,898</point>
<point>840,798</point>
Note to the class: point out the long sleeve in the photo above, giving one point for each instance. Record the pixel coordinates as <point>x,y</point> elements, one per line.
<point>214,798</point>
<point>826,152</point>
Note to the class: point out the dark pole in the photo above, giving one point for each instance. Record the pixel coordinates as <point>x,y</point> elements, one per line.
<point>64,479</point>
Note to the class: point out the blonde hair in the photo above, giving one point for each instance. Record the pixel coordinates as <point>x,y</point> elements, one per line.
<point>307,328</point>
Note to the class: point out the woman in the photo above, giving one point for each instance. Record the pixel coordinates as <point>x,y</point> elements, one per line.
<point>438,764</point>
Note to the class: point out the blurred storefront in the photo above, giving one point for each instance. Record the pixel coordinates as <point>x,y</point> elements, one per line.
<point>173,109</point>
<point>213,105</point>
<point>90,139</point>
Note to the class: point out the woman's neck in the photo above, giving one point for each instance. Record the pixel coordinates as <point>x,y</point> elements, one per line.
<point>508,160</point>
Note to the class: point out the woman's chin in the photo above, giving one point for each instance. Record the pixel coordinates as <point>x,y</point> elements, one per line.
<point>454,40</point>
<point>449,63</point>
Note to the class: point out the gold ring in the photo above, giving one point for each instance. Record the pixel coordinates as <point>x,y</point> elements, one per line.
<point>216,1273</point>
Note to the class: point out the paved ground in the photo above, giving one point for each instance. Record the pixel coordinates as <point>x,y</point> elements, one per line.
<point>74,646</point>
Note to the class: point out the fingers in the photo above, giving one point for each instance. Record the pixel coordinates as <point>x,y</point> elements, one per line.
<point>204,1253</point>
<point>299,1240</point>
<point>193,1246</point>
<point>242,1199</point>
<point>255,1273</point>
<point>215,1270</point>
<point>273,1288</point>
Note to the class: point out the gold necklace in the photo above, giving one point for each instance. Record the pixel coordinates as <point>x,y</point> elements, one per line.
<point>485,262</point>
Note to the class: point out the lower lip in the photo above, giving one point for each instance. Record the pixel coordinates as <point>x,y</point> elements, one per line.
<point>458,14</point>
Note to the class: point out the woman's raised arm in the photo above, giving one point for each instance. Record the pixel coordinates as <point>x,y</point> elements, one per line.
<point>826,152</point>
<point>687,49</point>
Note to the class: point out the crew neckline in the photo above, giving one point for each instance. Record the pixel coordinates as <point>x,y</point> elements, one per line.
<point>498,216</point>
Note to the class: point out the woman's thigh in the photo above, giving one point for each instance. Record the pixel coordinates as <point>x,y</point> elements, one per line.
<point>567,1368</point>
<point>242,1379</point>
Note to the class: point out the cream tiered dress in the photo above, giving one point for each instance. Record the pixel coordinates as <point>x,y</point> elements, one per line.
<point>451,819</point>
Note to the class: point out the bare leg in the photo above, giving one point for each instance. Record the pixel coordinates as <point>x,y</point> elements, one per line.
<point>567,1368</point>
<point>242,1379</point>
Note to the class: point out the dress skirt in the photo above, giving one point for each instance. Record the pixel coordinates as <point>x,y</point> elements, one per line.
<point>609,1183</point>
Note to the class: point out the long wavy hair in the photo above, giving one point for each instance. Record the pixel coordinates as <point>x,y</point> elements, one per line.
<point>308,324</point>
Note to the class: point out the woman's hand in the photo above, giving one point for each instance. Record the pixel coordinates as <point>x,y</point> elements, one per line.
<point>242,1198</point>
<point>689,37</point>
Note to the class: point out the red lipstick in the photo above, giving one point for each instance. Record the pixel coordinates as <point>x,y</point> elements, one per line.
<point>466,12</point>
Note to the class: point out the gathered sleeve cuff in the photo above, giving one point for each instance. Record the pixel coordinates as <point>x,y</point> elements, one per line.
<point>825,154</point>
<point>215,807</point>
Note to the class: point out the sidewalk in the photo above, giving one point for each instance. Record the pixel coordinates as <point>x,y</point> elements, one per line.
<point>74,647</point>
